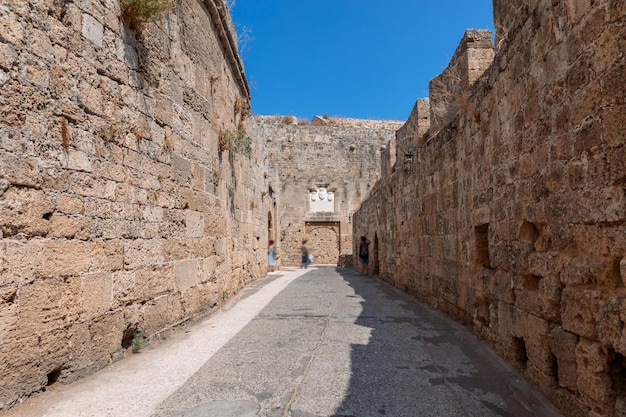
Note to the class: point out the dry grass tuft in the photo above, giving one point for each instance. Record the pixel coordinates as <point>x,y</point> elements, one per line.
<point>66,137</point>
<point>135,12</point>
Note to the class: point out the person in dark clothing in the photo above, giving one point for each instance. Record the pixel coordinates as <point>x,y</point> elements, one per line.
<point>364,255</point>
<point>305,255</point>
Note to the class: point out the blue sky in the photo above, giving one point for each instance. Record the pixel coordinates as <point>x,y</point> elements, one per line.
<point>350,58</point>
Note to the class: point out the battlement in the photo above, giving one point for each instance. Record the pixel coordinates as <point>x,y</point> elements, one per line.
<point>449,91</point>
<point>331,122</point>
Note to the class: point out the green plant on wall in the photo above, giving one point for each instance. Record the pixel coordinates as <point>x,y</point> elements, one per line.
<point>138,11</point>
<point>138,342</point>
<point>237,142</point>
<point>241,143</point>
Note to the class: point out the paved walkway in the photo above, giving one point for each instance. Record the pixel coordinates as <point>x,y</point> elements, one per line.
<point>320,342</point>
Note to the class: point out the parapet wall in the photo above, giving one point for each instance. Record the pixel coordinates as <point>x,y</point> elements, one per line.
<point>331,122</point>
<point>119,214</point>
<point>513,218</point>
<point>448,92</point>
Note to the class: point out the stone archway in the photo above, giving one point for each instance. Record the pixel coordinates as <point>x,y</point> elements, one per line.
<point>323,241</point>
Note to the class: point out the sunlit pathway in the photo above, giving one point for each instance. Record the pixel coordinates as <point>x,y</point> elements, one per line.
<point>322,343</point>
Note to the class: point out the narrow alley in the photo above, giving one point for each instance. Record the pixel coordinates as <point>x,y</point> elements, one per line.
<point>306,343</point>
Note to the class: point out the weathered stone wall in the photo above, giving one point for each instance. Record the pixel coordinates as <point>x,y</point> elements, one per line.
<point>342,159</point>
<point>514,217</point>
<point>118,214</point>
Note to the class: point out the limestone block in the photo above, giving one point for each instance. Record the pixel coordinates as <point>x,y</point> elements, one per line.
<point>37,73</point>
<point>91,98</point>
<point>175,308</point>
<point>79,160</point>
<point>96,294</point>
<point>195,223</point>
<point>24,211</point>
<point>150,282</point>
<point>550,290</point>
<point>481,216</point>
<point>105,335</point>
<point>506,321</point>
<point>181,170</point>
<point>8,56</point>
<point>163,111</point>
<point>69,204</point>
<point>8,322</point>
<point>20,171</point>
<point>93,30</point>
<point>536,336</point>
<point>140,253</point>
<point>527,299</point>
<point>617,173</point>
<point>563,346</point>
<point>40,44</point>
<point>542,263</point>
<point>193,200</point>
<point>200,298</point>
<point>85,185</point>
<point>155,314</point>
<point>24,261</point>
<point>577,308</point>
<point>153,214</point>
<point>197,177</point>
<point>65,226</point>
<point>54,348</point>
<point>587,269</point>
<point>175,249</point>
<point>594,383</point>
<point>79,342</point>
<point>215,222</point>
<point>201,248</point>
<point>4,77</point>
<point>20,374</point>
<point>65,258</point>
<point>11,28</point>
<point>187,274</point>
<point>612,92</point>
<point>40,306</point>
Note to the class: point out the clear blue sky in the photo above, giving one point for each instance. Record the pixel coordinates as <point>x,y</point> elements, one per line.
<point>351,58</point>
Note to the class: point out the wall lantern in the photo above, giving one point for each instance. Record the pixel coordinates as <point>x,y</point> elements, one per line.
<point>409,158</point>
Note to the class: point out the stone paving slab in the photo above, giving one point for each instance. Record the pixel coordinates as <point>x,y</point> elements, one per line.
<point>328,342</point>
<point>338,344</point>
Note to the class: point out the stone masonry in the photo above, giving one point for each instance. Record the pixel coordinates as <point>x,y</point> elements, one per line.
<point>121,213</point>
<point>513,218</point>
<point>136,193</point>
<point>323,174</point>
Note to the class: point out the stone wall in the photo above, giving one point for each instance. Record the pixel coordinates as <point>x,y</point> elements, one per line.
<point>514,217</point>
<point>120,212</point>
<point>344,160</point>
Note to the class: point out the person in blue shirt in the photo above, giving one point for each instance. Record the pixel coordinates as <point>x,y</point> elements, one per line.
<point>271,255</point>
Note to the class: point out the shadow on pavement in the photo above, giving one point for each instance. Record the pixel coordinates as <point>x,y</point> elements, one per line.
<point>420,362</point>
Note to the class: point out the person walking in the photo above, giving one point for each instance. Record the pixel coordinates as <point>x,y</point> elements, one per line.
<point>364,255</point>
<point>271,256</point>
<point>305,255</point>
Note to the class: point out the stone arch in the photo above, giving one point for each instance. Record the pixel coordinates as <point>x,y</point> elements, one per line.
<point>324,241</point>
